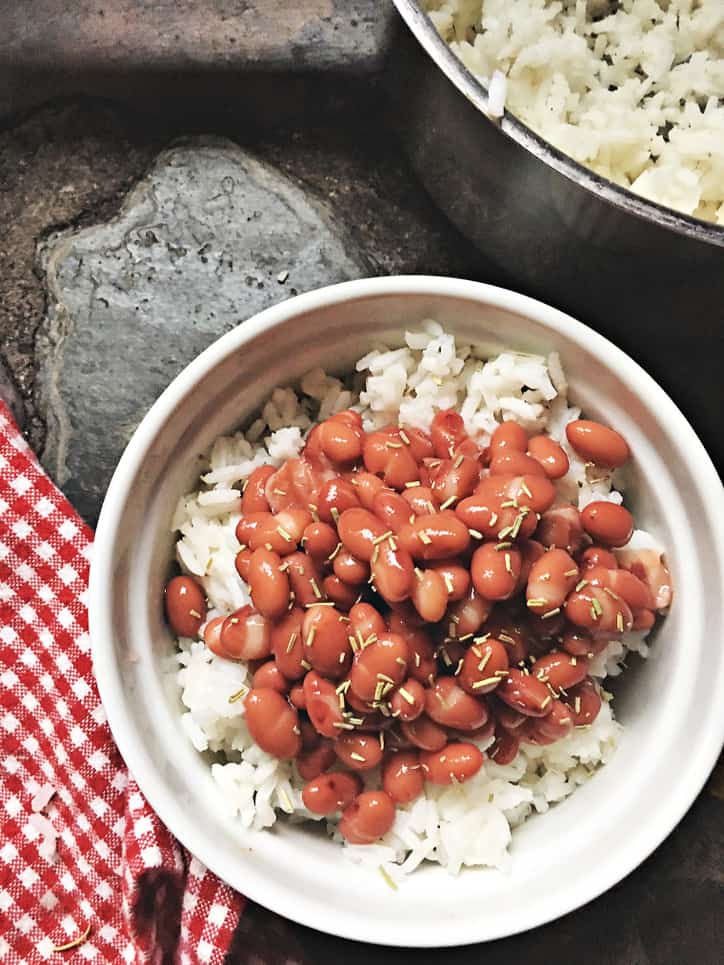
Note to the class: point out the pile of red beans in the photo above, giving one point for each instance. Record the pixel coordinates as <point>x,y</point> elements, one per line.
<point>413,593</point>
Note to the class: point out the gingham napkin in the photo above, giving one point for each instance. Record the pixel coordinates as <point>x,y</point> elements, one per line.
<point>90,866</point>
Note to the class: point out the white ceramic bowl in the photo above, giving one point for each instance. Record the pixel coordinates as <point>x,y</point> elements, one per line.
<point>672,705</point>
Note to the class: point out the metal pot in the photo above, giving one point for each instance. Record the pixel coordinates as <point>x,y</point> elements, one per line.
<point>634,268</point>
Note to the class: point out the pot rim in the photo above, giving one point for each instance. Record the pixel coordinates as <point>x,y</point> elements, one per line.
<point>476,93</point>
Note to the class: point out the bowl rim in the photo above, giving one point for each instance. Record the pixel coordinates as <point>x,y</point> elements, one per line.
<point>423,29</point>
<point>255,886</point>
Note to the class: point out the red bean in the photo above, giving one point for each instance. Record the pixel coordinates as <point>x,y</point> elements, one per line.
<point>550,455</point>
<point>421,501</point>
<point>648,565</point>
<point>595,556</point>
<point>557,723</point>
<point>447,432</point>
<point>484,664</point>
<point>424,733</point>
<point>343,595</point>
<point>408,701</point>
<point>525,693</point>
<point>269,675</point>
<point>185,606</point>
<point>560,670</point>
<point>421,659</point>
<point>598,444</point>
<point>269,585</point>
<point>242,562</point>
<point>436,536</point>
<point>623,583</point>
<point>315,761</point>
<point>365,621</point>
<point>359,752</point>
<point>335,496</point>
<point>643,620</point>
<point>328,793</point>
<point>297,483</point>
<point>381,665</point>
<point>349,417</point>
<point>392,571</point>
<point>513,634</point>
<point>536,493</point>
<point>358,530</point>
<point>287,644</point>
<point>420,442</point>
<point>323,705</point>
<point>455,479</point>
<point>296,695</point>
<point>310,738</point>
<point>495,571</point>
<point>392,509</point>
<point>550,581</point>
<point>455,763</point>
<point>304,578</point>
<point>447,704</point>
<point>560,526</point>
<point>429,595</point>
<point>326,643</point>
<point>272,723</point>
<point>608,523</point>
<point>212,636</point>
<point>402,468</point>
<point>596,610</point>
<point>350,569</point>
<point>402,777</point>
<point>340,441</point>
<point>470,613</point>
<point>455,576</point>
<point>509,436</point>
<point>579,643</point>
<point>507,718</point>
<point>584,702</point>
<point>368,818</point>
<point>510,462</point>
<point>319,540</point>
<point>505,747</point>
<point>254,498</point>
<point>246,635</point>
<point>367,486</point>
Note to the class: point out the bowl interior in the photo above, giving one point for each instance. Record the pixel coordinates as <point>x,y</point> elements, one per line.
<point>593,838</point>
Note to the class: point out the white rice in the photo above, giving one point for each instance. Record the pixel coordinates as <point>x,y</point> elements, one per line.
<point>632,89</point>
<point>461,825</point>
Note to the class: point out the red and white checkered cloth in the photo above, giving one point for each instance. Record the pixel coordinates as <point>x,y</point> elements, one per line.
<point>117,870</point>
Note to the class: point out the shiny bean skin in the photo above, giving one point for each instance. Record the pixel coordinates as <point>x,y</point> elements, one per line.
<point>429,595</point>
<point>447,432</point>
<point>483,666</point>
<point>392,509</point>
<point>254,498</point>
<point>297,483</point>
<point>344,595</point>
<point>424,733</point>
<point>359,752</point>
<point>629,587</point>
<point>513,634</point>
<point>246,635</point>
<point>287,644</point>
<point>212,636</point>
<point>509,436</point>
<point>272,723</point>
<point>608,523</point>
<point>315,761</point>
<point>550,455</point>
<point>304,578</point>
<point>530,552</point>
<point>296,695</point>
<point>550,580</point>
<point>455,479</point>
<point>504,749</point>
<point>560,526</point>
<point>507,718</point>
<point>402,777</point>
<point>269,585</point>
<point>605,615</point>
<point>420,442</point>
<point>436,536</point>
<point>401,469</point>
<point>598,444</point>
<point>449,705</point>
<point>421,501</point>
<point>487,516</point>
<point>392,572</point>
<point>456,578</point>
<point>326,643</point>
<point>584,702</point>
<point>269,675</point>
<point>367,486</point>
<point>594,556</point>
<point>560,670</point>
<point>350,569</point>
<point>329,793</point>
<point>242,562</point>
<point>643,619</point>
<point>310,738</point>
<point>185,606</point>
<point>389,656</point>
<point>524,693</point>
<point>557,723</point>
<point>335,496</point>
<point>470,613</point>
<point>358,529</point>
<point>323,705</point>
<point>368,818</point>
<point>365,621</point>
<point>348,416</point>
<point>422,665</point>
<point>511,462</point>
<point>536,493</point>
<point>455,763</point>
<point>648,565</point>
<point>341,441</point>
<point>579,643</point>
<point>408,701</point>
<point>319,541</point>
<point>376,452</point>
<point>449,655</point>
<point>495,572</point>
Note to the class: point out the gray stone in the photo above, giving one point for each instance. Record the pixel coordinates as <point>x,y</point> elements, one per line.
<point>10,395</point>
<point>198,246</point>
